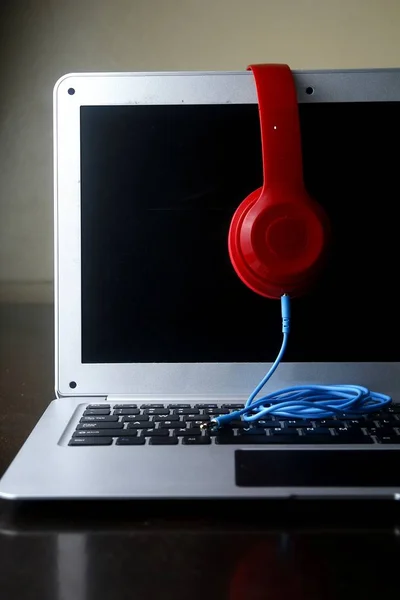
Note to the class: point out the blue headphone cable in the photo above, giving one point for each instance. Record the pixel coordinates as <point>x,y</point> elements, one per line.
<point>304,401</point>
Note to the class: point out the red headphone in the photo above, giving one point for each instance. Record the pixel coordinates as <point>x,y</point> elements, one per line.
<point>278,234</point>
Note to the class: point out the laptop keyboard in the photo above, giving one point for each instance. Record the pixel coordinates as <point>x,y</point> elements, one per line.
<point>175,424</point>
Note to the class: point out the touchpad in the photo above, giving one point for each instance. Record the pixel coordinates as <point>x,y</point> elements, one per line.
<point>317,468</point>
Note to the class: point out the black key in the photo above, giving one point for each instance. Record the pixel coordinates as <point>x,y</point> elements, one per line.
<point>289,439</point>
<point>239,424</point>
<point>330,423</point>
<point>97,411</point>
<point>91,441</point>
<point>99,418</point>
<point>130,441</point>
<point>100,425</point>
<point>163,441</point>
<point>190,432</point>
<point>389,439</point>
<point>217,411</point>
<point>152,406</point>
<point>160,418</point>
<point>351,436</point>
<point>298,423</point>
<point>178,405</point>
<point>253,431</point>
<point>202,440</point>
<point>281,431</point>
<point>236,406</point>
<point>206,405</point>
<point>243,439</point>
<point>135,418</point>
<point>264,423</point>
<point>369,423</point>
<point>317,431</point>
<point>125,405</point>
<point>157,411</point>
<point>389,420</point>
<point>96,406</point>
<point>355,423</point>
<point>141,425</point>
<point>172,424</point>
<point>394,408</point>
<point>196,423</point>
<point>154,432</point>
<point>349,431</point>
<point>382,431</point>
<point>186,411</point>
<point>126,411</point>
<point>196,417</point>
<point>112,432</point>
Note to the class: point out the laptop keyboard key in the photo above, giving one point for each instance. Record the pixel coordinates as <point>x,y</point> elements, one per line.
<point>99,418</point>
<point>91,441</point>
<point>161,418</point>
<point>154,432</point>
<point>100,425</point>
<point>281,431</point>
<point>96,406</point>
<point>189,432</point>
<point>178,405</point>
<point>298,423</point>
<point>156,411</point>
<point>239,424</point>
<point>317,431</point>
<point>163,441</point>
<point>268,423</point>
<point>126,411</point>
<point>202,440</point>
<point>195,417</point>
<point>152,406</point>
<point>241,439</point>
<point>235,406</point>
<point>382,431</point>
<point>206,405</point>
<point>140,425</point>
<point>135,418</point>
<point>186,411</point>
<point>217,411</point>
<point>130,441</point>
<point>352,436</point>
<point>172,424</point>
<point>97,411</point>
<point>330,423</point>
<point>125,405</point>
<point>389,439</point>
<point>104,432</point>
<point>253,431</point>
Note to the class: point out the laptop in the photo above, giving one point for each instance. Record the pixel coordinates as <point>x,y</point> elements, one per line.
<point>154,332</point>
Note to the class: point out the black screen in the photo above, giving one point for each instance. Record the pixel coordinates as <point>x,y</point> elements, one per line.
<point>159,187</point>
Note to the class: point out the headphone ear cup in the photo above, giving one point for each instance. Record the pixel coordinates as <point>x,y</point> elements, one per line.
<point>258,285</point>
<point>277,247</point>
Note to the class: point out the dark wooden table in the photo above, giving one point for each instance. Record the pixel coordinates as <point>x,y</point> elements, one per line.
<point>121,551</point>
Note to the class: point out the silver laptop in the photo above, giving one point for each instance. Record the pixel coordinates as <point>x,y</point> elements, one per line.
<point>154,331</point>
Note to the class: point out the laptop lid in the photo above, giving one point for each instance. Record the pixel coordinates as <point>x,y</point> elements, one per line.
<point>149,169</point>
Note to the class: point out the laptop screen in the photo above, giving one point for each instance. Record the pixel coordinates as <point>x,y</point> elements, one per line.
<point>159,187</point>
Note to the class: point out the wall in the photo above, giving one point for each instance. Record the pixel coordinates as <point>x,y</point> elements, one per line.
<point>42,39</point>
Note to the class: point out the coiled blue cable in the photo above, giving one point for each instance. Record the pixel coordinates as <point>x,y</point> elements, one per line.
<point>305,401</point>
